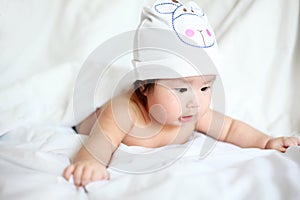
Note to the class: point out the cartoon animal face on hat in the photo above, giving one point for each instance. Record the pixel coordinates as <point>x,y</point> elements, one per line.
<point>187,20</point>
<point>178,28</point>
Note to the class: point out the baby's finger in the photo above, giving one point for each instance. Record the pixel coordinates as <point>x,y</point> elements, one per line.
<point>106,175</point>
<point>68,171</point>
<point>77,175</point>
<point>289,142</point>
<point>86,176</point>
<point>297,141</point>
<point>99,175</point>
<point>282,149</point>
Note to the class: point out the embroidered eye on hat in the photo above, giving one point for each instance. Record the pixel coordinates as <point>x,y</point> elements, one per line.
<point>174,40</point>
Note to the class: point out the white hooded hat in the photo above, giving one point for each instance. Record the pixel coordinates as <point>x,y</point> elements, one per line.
<point>174,40</point>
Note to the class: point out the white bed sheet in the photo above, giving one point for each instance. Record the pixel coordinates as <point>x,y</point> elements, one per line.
<point>32,160</point>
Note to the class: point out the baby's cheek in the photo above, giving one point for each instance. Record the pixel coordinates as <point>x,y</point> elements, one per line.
<point>189,32</point>
<point>159,113</point>
<point>204,107</point>
<point>173,107</point>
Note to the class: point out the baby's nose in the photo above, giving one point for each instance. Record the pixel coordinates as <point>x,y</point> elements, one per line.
<point>192,104</point>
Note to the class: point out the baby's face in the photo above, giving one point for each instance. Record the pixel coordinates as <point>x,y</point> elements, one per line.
<point>177,101</point>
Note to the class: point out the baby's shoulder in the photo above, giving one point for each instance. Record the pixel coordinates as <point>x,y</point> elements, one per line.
<point>126,107</point>
<point>120,104</point>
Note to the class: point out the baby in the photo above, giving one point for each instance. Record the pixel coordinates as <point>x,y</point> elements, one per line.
<point>169,100</point>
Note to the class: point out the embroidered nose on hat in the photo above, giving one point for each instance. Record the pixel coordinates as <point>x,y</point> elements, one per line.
<point>174,40</point>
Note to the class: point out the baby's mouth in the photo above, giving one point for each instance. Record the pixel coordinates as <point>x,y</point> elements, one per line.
<point>186,118</point>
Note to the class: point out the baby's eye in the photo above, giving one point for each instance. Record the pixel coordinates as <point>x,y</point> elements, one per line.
<point>180,90</point>
<point>204,89</point>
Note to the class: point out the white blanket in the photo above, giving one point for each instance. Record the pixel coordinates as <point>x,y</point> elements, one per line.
<point>32,160</point>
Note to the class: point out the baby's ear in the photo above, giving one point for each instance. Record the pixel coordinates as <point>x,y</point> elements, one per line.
<point>166,7</point>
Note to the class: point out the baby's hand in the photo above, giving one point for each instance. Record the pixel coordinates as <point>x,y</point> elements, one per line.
<point>86,171</point>
<point>282,143</point>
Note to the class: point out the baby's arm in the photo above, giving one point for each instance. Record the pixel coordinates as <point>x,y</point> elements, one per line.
<point>107,133</point>
<point>239,133</point>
